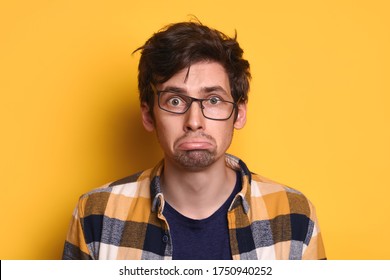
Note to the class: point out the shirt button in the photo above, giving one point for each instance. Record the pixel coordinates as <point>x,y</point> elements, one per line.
<point>165,238</point>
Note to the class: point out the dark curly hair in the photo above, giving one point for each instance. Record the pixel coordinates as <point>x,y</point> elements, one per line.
<point>178,46</point>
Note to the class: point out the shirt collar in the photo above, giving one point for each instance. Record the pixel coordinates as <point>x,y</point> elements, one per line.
<point>233,162</point>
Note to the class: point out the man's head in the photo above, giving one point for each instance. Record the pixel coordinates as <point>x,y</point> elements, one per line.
<point>178,46</point>
<point>200,81</point>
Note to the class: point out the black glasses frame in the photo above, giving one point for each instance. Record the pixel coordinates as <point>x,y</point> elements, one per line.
<point>191,100</point>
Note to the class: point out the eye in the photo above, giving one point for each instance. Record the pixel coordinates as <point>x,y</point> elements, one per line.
<point>175,101</point>
<point>214,100</point>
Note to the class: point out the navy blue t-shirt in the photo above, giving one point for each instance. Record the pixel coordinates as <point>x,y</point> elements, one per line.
<point>206,239</point>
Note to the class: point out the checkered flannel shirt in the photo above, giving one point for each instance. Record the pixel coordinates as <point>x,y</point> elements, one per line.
<point>124,220</point>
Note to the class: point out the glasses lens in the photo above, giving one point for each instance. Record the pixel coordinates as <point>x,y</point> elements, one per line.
<point>214,108</point>
<point>173,102</point>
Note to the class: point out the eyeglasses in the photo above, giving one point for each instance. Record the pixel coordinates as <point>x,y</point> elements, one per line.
<point>213,108</point>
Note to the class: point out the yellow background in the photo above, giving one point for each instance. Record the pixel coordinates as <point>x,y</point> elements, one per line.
<point>318,109</point>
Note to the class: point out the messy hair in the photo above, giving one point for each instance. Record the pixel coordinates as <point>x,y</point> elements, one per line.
<point>178,46</point>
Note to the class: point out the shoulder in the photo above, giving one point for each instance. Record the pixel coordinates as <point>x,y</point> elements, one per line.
<point>278,198</point>
<point>266,185</point>
<point>125,189</point>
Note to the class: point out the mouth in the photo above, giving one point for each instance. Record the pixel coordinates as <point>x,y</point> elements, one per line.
<point>189,145</point>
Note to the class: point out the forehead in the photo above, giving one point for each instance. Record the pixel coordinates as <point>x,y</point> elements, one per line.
<point>198,77</point>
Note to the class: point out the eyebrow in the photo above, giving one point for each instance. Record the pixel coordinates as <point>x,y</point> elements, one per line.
<point>174,89</point>
<point>218,89</point>
<point>213,89</point>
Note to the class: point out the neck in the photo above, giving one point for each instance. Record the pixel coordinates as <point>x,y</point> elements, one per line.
<point>197,194</point>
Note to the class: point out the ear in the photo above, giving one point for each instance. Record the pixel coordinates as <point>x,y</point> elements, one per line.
<point>241,116</point>
<point>147,119</point>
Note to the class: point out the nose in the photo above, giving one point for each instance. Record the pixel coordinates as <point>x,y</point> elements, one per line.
<point>194,119</point>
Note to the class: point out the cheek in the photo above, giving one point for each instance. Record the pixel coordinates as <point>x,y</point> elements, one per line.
<point>223,135</point>
<point>228,138</point>
<point>167,131</point>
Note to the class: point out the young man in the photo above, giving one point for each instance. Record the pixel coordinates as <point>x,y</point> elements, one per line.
<point>198,202</point>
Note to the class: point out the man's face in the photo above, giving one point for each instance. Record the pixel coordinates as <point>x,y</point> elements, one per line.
<point>190,140</point>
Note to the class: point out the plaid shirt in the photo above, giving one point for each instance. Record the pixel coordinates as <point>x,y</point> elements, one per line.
<point>124,220</point>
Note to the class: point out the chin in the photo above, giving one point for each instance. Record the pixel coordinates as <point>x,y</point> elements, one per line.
<point>195,159</point>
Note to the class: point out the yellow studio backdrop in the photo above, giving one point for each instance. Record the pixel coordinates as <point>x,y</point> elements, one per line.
<point>318,109</point>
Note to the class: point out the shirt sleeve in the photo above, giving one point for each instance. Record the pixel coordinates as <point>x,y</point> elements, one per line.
<point>315,249</point>
<point>75,247</point>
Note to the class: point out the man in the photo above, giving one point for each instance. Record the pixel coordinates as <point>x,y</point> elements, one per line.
<point>198,202</point>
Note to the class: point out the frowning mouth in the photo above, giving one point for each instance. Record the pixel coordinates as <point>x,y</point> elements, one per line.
<point>191,142</point>
<point>187,145</point>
